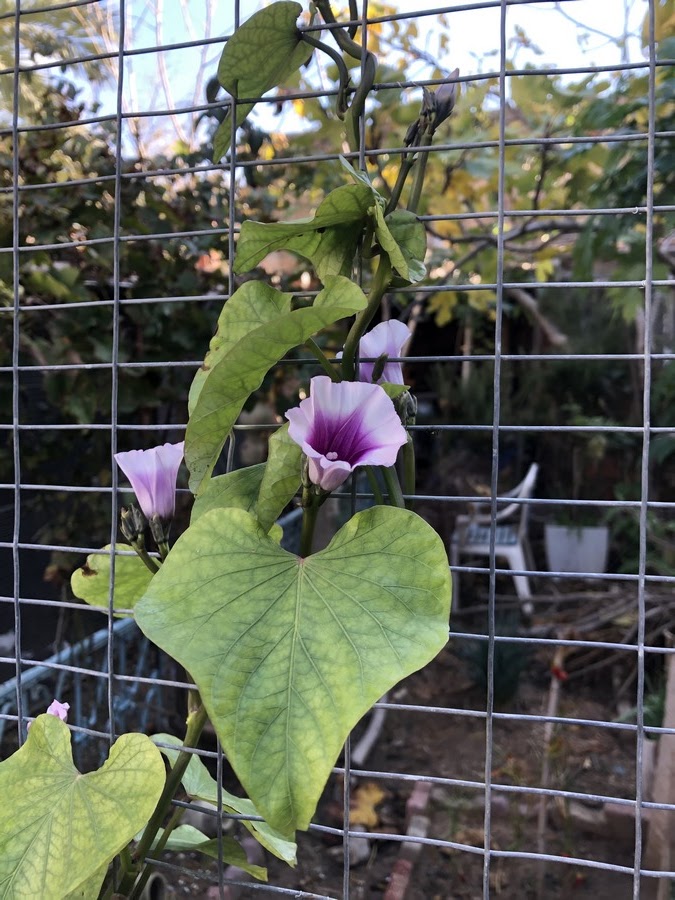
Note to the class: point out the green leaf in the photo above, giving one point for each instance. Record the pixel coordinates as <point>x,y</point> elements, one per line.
<point>241,370</point>
<point>281,480</point>
<point>411,238</point>
<point>187,838</point>
<point>91,583</point>
<point>289,653</point>
<point>262,53</point>
<point>394,390</point>
<point>252,305</point>
<point>91,888</point>
<point>403,244</point>
<point>239,489</point>
<point>199,785</point>
<point>360,177</point>
<point>328,240</point>
<point>59,827</point>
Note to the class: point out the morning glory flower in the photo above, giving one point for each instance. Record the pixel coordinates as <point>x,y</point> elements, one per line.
<point>60,710</point>
<point>386,338</point>
<point>342,425</point>
<point>153,474</point>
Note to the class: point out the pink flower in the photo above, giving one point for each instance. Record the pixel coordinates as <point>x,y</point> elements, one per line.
<point>386,338</point>
<point>342,425</point>
<point>153,474</point>
<point>60,710</point>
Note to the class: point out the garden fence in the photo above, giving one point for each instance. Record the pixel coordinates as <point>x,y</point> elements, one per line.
<point>545,788</point>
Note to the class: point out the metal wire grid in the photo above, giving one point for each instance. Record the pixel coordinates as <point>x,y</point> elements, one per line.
<point>24,605</point>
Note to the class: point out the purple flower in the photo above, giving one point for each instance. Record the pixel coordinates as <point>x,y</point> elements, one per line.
<point>342,425</point>
<point>386,338</point>
<point>59,709</point>
<point>152,474</point>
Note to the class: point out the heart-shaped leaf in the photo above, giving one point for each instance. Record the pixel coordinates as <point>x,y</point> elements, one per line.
<point>199,784</point>
<point>289,653</point>
<point>242,368</point>
<point>262,53</point>
<point>59,827</point>
<point>91,583</point>
<point>239,489</point>
<point>328,239</point>
<point>281,480</point>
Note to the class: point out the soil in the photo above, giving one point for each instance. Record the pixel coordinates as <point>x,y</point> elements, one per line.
<point>582,758</point>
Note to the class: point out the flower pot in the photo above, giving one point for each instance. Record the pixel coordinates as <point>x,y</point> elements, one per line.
<point>582,550</point>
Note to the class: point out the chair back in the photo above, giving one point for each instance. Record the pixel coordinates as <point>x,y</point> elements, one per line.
<point>523,491</point>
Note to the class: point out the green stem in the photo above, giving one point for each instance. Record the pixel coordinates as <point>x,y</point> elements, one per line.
<point>393,486</point>
<point>143,554</point>
<point>342,104</point>
<point>374,486</point>
<point>380,284</point>
<point>418,181</point>
<point>195,724</point>
<point>176,816</point>
<point>409,470</point>
<point>407,162</point>
<point>309,514</point>
<point>344,42</point>
<point>330,370</point>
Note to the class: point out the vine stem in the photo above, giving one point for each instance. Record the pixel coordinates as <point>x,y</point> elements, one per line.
<point>195,724</point>
<point>309,514</point>
<point>393,486</point>
<point>380,284</point>
<point>409,470</point>
<point>330,370</point>
<point>143,555</point>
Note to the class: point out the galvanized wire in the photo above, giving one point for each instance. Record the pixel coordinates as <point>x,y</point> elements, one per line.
<point>496,234</point>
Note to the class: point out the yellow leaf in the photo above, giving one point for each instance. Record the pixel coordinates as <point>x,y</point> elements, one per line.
<point>362,806</point>
<point>443,306</point>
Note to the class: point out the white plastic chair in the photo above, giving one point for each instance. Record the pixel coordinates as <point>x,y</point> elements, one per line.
<point>472,537</point>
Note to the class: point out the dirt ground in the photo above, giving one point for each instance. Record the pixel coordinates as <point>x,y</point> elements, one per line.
<point>582,758</point>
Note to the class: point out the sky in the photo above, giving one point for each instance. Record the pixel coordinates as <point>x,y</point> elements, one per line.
<point>565,34</point>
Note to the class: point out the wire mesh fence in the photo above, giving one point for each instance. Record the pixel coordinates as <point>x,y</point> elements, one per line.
<point>532,757</point>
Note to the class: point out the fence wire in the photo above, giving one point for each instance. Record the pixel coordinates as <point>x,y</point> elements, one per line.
<point>489,809</point>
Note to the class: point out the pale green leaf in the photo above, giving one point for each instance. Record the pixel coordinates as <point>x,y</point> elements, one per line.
<point>289,653</point>
<point>91,888</point>
<point>242,369</point>
<point>252,305</point>
<point>59,827</point>
<point>187,838</point>
<point>239,489</point>
<point>411,238</point>
<point>262,53</point>
<point>281,480</point>
<point>328,239</point>
<point>91,583</point>
<point>200,785</point>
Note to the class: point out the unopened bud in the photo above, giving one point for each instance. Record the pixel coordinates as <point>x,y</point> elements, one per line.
<point>406,406</point>
<point>132,524</point>
<point>160,529</point>
<point>444,100</point>
<point>378,368</point>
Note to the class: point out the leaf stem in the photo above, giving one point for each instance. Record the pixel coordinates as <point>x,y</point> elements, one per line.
<point>143,554</point>
<point>195,724</point>
<point>409,470</point>
<point>343,40</point>
<point>341,104</point>
<point>393,486</point>
<point>309,514</point>
<point>374,486</point>
<point>380,284</point>
<point>330,370</point>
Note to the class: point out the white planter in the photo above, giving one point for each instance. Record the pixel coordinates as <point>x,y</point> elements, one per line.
<point>582,550</point>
